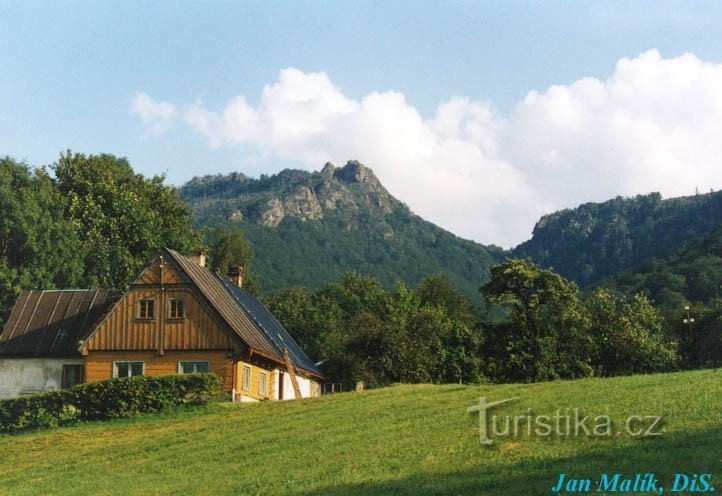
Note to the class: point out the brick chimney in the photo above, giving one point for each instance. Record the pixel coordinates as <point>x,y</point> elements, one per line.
<point>198,257</point>
<point>235,274</point>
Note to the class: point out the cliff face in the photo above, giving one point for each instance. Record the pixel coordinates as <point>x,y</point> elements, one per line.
<point>596,240</point>
<point>345,192</point>
<point>309,227</point>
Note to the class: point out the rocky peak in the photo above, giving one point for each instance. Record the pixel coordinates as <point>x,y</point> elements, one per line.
<point>354,172</point>
<point>328,170</point>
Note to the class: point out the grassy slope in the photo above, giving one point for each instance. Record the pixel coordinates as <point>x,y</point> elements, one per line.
<point>405,440</point>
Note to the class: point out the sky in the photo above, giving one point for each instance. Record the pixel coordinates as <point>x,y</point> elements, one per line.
<point>481,116</point>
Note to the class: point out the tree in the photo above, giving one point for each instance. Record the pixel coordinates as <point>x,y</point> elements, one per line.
<point>121,217</point>
<point>38,245</point>
<point>439,291</point>
<point>230,249</point>
<point>545,334</point>
<point>314,321</point>
<point>628,335</point>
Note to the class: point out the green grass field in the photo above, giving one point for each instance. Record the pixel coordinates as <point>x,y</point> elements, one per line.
<point>407,440</point>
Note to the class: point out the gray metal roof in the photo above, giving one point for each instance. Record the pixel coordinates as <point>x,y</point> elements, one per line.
<point>245,315</point>
<point>271,327</point>
<point>50,323</point>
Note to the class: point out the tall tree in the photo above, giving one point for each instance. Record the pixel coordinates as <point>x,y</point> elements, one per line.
<point>122,217</point>
<point>545,334</point>
<point>628,335</point>
<point>38,245</point>
<point>230,249</point>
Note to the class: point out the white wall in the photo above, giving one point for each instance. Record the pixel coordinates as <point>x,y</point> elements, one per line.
<point>304,385</point>
<point>31,375</point>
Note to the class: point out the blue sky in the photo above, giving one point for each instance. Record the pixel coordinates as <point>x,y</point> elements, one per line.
<point>70,73</point>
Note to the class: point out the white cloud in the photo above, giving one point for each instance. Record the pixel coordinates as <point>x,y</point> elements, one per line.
<point>157,117</point>
<point>654,125</point>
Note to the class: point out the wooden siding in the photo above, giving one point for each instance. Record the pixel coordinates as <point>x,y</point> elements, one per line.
<point>253,391</point>
<point>124,330</point>
<point>151,275</point>
<point>99,364</point>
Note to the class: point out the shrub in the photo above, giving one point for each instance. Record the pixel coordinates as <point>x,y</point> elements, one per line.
<point>113,398</point>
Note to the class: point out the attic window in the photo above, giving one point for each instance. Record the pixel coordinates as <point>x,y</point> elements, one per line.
<point>176,308</point>
<point>146,308</point>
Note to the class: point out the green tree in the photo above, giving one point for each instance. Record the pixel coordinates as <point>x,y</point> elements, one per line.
<point>315,321</point>
<point>628,335</point>
<point>439,291</point>
<point>230,249</point>
<point>38,246</point>
<point>122,217</point>
<point>545,334</point>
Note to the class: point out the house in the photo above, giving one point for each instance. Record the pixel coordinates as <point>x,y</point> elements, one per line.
<point>176,317</point>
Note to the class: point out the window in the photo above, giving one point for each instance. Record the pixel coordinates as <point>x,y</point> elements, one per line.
<point>194,367</point>
<point>146,308</point>
<point>72,375</point>
<point>262,380</point>
<point>246,378</point>
<point>128,369</point>
<point>176,308</point>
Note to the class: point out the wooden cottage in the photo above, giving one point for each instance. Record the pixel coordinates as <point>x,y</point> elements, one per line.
<point>177,317</point>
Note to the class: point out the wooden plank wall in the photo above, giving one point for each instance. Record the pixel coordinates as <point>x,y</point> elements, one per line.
<point>99,364</point>
<point>252,392</point>
<point>123,330</point>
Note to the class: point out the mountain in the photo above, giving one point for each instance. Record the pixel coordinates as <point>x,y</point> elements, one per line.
<point>596,240</point>
<point>307,228</point>
<point>691,274</point>
<point>687,276</point>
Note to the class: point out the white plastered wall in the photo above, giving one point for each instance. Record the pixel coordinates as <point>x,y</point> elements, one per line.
<point>304,385</point>
<point>20,376</point>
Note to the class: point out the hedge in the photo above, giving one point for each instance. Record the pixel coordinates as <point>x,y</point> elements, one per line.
<point>113,398</point>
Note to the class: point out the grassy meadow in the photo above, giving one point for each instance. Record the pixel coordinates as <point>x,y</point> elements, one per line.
<point>405,440</point>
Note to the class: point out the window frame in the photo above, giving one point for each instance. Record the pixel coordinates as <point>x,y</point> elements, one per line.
<point>80,377</point>
<point>246,378</point>
<point>169,308</point>
<point>139,312</point>
<point>181,362</point>
<point>263,381</point>
<point>130,369</point>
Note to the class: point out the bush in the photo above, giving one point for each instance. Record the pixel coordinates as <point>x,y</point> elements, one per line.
<point>113,398</point>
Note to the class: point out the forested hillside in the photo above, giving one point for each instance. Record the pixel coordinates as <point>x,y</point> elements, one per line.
<point>596,240</point>
<point>690,275</point>
<point>307,228</point>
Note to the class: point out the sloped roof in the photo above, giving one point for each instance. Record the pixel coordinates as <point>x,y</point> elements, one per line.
<point>271,327</point>
<point>50,323</point>
<point>245,315</point>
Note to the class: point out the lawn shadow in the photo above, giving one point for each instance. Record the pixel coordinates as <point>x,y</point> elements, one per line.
<point>695,452</point>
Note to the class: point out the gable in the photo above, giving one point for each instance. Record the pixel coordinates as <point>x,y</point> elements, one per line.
<point>153,274</point>
<point>125,329</point>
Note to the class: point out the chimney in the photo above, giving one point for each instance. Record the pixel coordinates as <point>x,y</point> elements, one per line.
<point>198,257</point>
<point>235,274</point>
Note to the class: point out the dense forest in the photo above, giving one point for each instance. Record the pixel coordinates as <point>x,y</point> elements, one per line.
<point>689,276</point>
<point>596,240</point>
